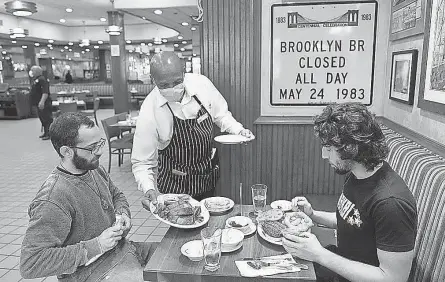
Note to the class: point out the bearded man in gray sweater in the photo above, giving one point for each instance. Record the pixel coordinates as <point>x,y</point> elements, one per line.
<point>79,219</point>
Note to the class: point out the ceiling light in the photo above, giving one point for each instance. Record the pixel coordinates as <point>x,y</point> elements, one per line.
<point>193,28</point>
<point>18,32</point>
<point>4,52</point>
<point>100,42</point>
<point>158,12</point>
<point>180,37</point>
<point>114,30</point>
<point>144,18</point>
<point>128,41</point>
<point>70,50</point>
<point>37,44</point>
<point>131,51</point>
<point>83,52</point>
<point>103,19</point>
<point>69,59</point>
<point>51,41</point>
<point>84,42</point>
<point>185,24</point>
<point>50,48</point>
<point>24,46</point>
<point>66,47</point>
<point>164,40</point>
<point>62,20</point>
<point>176,45</point>
<point>13,42</point>
<point>150,44</point>
<point>21,8</point>
<point>96,46</point>
<point>88,50</point>
<point>49,45</point>
<point>61,50</point>
<point>194,55</point>
<point>69,10</point>
<point>70,43</point>
<point>52,58</point>
<point>184,42</point>
<point>182,49</point>
<point>157,40</point>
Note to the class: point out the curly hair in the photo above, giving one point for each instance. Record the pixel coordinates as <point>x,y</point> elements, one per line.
<point>64,130</point>
<point>354,131</point>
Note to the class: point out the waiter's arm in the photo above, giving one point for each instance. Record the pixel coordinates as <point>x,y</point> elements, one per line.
<point>219,110</point>
<point>45,90</point>
<point>144,156</point>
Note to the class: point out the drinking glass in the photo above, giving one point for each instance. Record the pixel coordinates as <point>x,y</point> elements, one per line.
<point>259,193</point>
<point>128,118</point>
<point>211,241</point>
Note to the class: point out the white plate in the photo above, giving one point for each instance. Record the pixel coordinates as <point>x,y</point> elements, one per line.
<point>232,240</point>
<point>283,205</point>
<point>225,249</point>
<point>213,211</point>
<point>276,241</point>
<point>232,139</point>
<point>193,250</point>
<point>204,213</point>
<point>250,231</point>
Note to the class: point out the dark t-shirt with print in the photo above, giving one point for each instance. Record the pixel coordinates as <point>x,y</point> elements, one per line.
<point>378,212</point>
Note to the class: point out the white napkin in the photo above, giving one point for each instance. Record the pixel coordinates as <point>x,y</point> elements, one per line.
<point>247,271</point>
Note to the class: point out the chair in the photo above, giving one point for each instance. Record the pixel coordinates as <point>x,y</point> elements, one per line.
<point>70,107</point>
<point>117,143</point>
<point>82,96</point>
<point>92,113</point>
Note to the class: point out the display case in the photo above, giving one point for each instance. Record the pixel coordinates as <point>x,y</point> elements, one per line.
<point>15,102</point>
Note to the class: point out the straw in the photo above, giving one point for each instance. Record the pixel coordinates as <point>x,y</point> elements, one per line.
<point>241,197</point>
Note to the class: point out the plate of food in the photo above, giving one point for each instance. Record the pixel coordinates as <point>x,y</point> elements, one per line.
<point>232,139</point>
<point>271,215</point>
<point>283,205</point>
<point>216,205</point>
<point>181,211</point>
<point>241,223</point>
<point>295,222</point>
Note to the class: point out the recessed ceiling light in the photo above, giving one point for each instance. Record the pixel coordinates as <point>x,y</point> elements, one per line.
<point>100,42</point>
<point>69,59</point>
<point>176,45</point>
<point>164,40</point>
<point>70,43</point>
<point>49,45</point>
<point>182,49</point>
<point>83,52</point>
<point>96,46</point>
<point>50,48</point>
<point>158,12</point>
<point>62,20</point>
<point>128,41</point>
<point>51,41</point>
<point>185,24</point>
<point>61,50</point>
<point>71,50</point>
<point>103,19</point>
<point>144,18</point>
<point>180,37</point>
<point>4,52</point>
<point>66,47</point>
<point>69,10</point>
<point>194,55</point>
<point>184,42</point>
<point>88,50</point>
<point>24,46</point>
<point>37,44</point>
<point>52,58</point>
<point>14,42</point>
<point>150,44</point>
<point>193,28</point>
<point>142,43</point>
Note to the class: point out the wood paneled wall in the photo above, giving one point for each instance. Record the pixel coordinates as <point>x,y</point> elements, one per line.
<point>287,158</point>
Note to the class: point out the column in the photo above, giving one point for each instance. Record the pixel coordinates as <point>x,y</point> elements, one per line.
<point>102,66</point>
<point>121,94</point>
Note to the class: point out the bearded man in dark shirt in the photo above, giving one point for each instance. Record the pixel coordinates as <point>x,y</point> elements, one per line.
<point>376,217</point>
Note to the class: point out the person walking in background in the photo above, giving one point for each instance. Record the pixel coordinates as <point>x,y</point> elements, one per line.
<point>68,77</point>
<point>40,97</point>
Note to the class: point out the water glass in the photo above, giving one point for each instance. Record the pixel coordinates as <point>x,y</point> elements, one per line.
<point>259,194</point>
<point>211,241</point>
<point>128,118</point>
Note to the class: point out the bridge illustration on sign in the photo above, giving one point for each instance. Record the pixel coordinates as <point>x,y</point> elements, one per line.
<point>296,20</point>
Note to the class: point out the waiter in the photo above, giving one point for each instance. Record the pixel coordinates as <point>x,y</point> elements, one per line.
<point>41,98</point>
<point>172,146</point>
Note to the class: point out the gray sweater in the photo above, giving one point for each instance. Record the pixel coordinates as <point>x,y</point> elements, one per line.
<point>66,217</point>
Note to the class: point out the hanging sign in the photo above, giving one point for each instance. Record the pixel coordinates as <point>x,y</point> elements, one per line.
<point>322,53</point>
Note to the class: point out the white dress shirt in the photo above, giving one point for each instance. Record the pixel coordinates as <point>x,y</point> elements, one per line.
<point>154,127</point>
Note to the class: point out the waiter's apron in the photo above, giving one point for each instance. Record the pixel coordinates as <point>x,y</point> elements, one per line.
<point>185,164</point>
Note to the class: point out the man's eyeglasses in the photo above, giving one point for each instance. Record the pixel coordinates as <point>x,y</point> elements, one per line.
<point>94,148</point>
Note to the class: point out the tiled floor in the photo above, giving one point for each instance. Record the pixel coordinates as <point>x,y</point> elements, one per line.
<point>25,162</point>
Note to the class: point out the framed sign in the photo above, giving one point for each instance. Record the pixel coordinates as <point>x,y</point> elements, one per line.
<point>322,53</point>
<point>407,18</point>
<point>432,85</point>
<point>403,76</point>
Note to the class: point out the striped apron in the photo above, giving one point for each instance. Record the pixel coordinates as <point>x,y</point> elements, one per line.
<point>185,164</point>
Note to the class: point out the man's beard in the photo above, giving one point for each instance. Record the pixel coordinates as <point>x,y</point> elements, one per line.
<point>84,164</point>
<point>343,168</point>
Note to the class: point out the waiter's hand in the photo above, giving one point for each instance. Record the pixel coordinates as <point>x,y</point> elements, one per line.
<point>247,133</point>
<point>41,105</point>
<point>152,195</point>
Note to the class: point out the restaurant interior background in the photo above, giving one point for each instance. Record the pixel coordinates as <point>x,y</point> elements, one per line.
<point>228,47</point>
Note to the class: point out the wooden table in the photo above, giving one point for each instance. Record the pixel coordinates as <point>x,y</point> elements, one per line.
<point>168,264</point>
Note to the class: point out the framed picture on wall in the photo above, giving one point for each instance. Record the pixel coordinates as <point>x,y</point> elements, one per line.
<point>432,84</point>
<point>407,18</point>
<point>403,76</point>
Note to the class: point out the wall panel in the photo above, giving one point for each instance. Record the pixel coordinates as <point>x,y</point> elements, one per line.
<point>287,158</point>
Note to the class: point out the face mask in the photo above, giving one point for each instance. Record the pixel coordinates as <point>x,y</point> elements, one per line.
<point>30,73</point>
<point>173,94</point>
